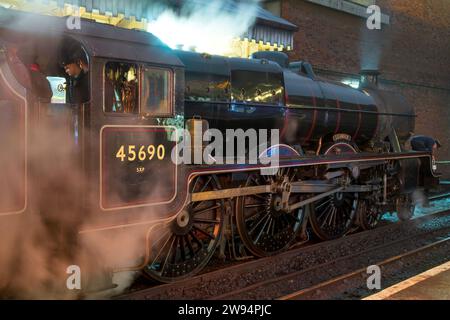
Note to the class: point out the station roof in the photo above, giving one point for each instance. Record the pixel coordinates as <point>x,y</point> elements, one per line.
<point>263,16</point>
<point>268,28</point>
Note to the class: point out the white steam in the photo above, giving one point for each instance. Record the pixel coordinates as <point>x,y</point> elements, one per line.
<point>373,44</point>
<point>205,26</point>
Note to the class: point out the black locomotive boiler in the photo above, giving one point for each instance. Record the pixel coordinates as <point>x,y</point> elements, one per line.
<point>244,94</point>
<point>99,174</point>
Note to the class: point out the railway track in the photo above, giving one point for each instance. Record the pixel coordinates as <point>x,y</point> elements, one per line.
<point>253,279</point>
<point>303,282</point>
<point>334,287</point>
<point>439,196</point>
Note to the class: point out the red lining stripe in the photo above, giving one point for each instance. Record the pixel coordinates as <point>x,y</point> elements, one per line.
<point>285,123</point>
<point>359,122</point>
<point>338,120</point>
<point>313,125</point>
<point>378,123</point>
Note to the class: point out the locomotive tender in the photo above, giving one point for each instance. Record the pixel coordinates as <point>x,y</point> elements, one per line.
<point>100,173</point>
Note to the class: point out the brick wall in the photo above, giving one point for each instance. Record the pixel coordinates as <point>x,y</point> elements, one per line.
<point>412,52</point>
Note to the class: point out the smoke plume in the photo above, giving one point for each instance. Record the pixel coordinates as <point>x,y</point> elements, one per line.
<point>38,244</point>
<point>205,26</point>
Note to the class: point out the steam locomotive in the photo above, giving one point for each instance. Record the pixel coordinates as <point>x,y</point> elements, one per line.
<point>99,179</point>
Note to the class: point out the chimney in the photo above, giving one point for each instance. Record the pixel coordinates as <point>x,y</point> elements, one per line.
<point>369,78</point>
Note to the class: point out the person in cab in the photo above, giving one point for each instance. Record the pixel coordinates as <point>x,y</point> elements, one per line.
<point>77,70</point>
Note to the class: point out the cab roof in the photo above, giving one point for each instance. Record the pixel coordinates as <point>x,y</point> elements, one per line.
<point>99,40</point>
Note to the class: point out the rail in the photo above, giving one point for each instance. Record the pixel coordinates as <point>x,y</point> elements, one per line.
<point>211,285</point>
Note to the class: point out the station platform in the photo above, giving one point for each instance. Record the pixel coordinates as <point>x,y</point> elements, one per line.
<point>433,284</point>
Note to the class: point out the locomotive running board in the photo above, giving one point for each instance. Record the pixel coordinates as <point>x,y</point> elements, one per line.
<point>363,160</point>
<point>296,187</point>
<point>325,189</point>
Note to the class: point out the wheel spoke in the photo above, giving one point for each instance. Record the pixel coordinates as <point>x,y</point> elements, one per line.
<point>258,223</point>
<point>328,218</point>
<point>217,206</point>
<point>331,217</point>
<point>196,240</point>
<point>195,184</point>
<point>270,225</point>
<point>182,251</point>
<point>189,244</point>
<point>324,213</point>
<point>175,246</point>
<point>196,204</point>
<point>259,197</point>
<point>255,205</point>
<point>167,256</point>
<point>252,178</point>
<point>207,221</point>
<point>185,248</point>
<point>348,205</point>
<point>206,184</point>
<point>204,232</point>
<point>255,214</point>
<point>333,220</point>
<point>274,227</point>
<point>161,250</point>
<point>323,203</point>
<point>162,236</point>
<point>262,229</point>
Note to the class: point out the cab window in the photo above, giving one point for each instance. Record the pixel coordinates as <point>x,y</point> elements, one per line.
<point>58,86</point>
<point>121,88</point>
<point>156,91</point>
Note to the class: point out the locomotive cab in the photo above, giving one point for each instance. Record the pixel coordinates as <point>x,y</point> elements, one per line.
<point>35,109</point>
<point>52,124</point>
<point>83,165</point>
<point>139,91</point>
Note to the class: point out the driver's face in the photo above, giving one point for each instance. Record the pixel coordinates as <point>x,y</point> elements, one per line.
<point>72,69</point>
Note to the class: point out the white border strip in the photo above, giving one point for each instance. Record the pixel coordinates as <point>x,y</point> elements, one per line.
<point>389,292</point>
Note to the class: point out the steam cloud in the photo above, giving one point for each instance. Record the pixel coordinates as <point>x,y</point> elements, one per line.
<point>38,245</point>
<point>373,43</point>
<point>206,26</point>
<point>35,252</point>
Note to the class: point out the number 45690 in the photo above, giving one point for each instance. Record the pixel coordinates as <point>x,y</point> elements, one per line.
<point>141,153</point>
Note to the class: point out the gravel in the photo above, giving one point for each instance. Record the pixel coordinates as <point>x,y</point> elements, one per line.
<point>239,276</point>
